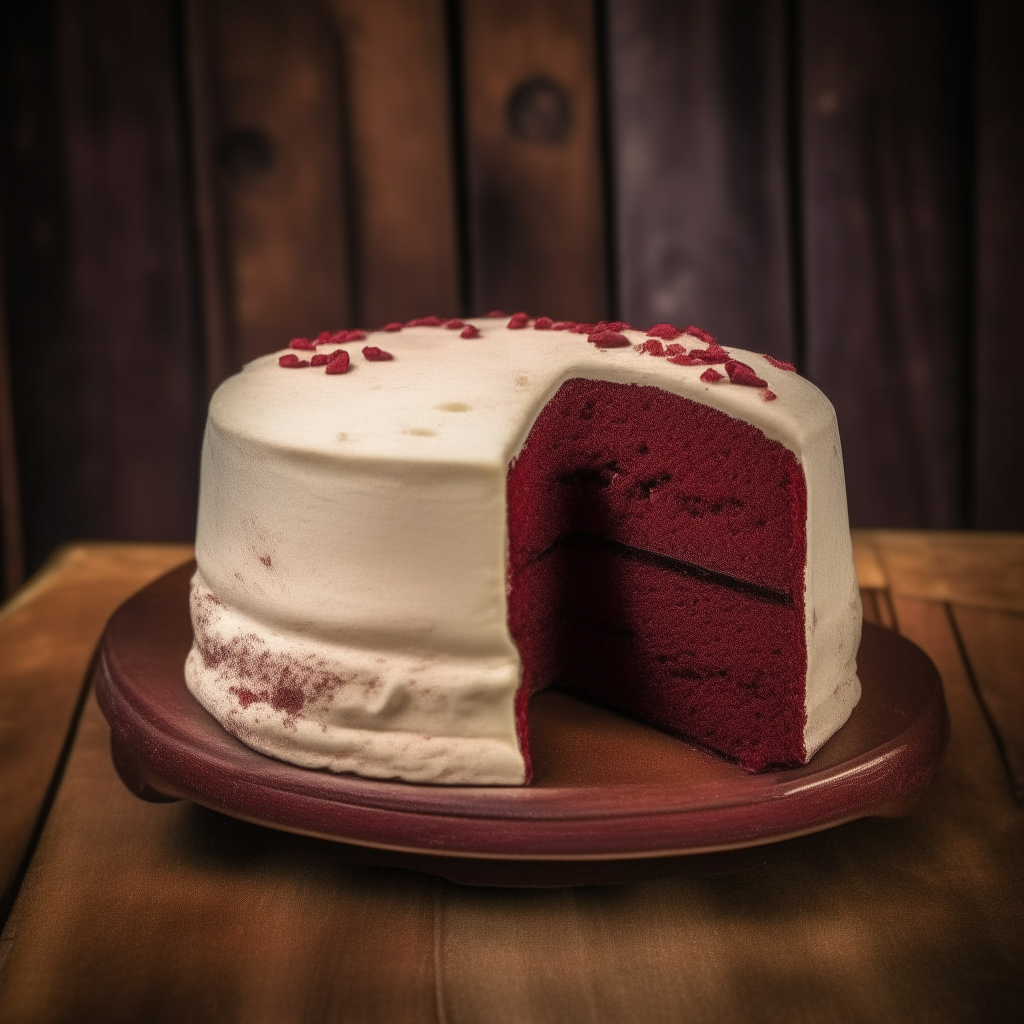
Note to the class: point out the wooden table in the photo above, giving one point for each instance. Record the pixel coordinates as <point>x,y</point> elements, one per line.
<point>120,910</point>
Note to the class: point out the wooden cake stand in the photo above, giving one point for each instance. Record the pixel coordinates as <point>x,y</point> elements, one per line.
<point>612,800</point>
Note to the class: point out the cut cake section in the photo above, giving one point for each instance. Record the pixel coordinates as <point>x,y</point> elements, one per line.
<point>656,564</point>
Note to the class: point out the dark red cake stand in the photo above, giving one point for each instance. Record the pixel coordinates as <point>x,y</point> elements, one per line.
<point>612,800</point>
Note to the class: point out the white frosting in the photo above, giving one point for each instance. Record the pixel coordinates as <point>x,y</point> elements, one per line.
<point>353,528</point>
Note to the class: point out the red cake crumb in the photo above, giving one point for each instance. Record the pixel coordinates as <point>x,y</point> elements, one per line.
<point>325,336</point>
<point>740,373</point>
<point>618,325</point>
<point>495,313</point>
<point>376,355</point>
<point>653,347</point>
<point>543,323</point>
<point>292,362</point>
<point>664,331</point>
<point>710,375</point>
<point>563,325</point>
<point>303,343</point>
<point>355,335</point>
<point>698,332</point>
<point>579,328</point>
<point>656,565</point>
<point>424,321</point>
<point>682,359</point>
<point>392,327</point>
<point>320,359</point>
<point>608,339</point>
<point>519,321</point>
<point>779,364</point>
<point>455,324</point>
<point>768,395</point>
<point>469,331</point>
<point>675,349</point>
<point>339,363</point>
<point>712,354</point>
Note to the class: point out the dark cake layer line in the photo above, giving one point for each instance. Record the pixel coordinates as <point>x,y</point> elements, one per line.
<point>580,538</point>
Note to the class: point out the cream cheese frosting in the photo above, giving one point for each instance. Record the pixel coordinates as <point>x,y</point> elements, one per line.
<point>349,604</point>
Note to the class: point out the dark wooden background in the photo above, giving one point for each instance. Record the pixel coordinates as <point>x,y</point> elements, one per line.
<point>185,185</point>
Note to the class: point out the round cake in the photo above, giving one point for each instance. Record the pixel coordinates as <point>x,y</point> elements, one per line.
<point>403,536</point>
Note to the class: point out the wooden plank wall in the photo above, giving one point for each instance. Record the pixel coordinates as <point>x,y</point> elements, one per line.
<point>187,183</point>
<point>100,308</point>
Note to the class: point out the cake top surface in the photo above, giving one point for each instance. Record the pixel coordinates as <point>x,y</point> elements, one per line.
<point>443,397</point>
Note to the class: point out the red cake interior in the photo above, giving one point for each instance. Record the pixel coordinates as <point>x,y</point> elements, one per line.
<point>656,565</point>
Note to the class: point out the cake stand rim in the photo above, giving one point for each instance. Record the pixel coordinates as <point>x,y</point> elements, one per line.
<point>563,823</point>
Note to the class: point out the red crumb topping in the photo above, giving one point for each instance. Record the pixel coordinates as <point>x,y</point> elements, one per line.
<point>455,324</point>
<point>292,362</point>
<point>712,354</point>
<point>665,331</point>
<point>519,321</point>
<point>710,375</point>
<point>355,335</point>
<point>543,323</point>
<point>686,360</point>
<point>469,331</point>
<point>320,359</point>
<point>376,355</point>
<point>392,327</point>
<point>496,313</point>
<point>768,395</point>
<point>740,373</point>
<point>779,364</point>
<point>304,343</point>
<point>563,325</point>
<point>675,349</point>
<point>699,333</point>
<point>325,336</point>
<point>424,321</point>
<point>608,339</point>
<point>619,325</point>
<point>653,347</point>
<point>339,362</point>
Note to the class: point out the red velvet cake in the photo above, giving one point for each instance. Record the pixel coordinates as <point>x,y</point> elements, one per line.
<point>404,535</point>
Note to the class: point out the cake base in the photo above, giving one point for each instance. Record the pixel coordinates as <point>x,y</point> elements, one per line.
<point>612,800</point>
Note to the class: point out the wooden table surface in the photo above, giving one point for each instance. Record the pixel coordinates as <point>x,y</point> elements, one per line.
<point>120,910</point>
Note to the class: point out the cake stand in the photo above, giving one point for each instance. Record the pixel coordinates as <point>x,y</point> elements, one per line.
<point>612,800</point>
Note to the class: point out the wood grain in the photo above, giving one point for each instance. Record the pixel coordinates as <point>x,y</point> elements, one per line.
<point>994,644</point>
<point>999,324</point>
<point>48,631</point>
<point>536,207</point>
<point>165,912</point>
<point>978,569</point>
<point>697,102</point>
<point>270,151</point>
<point>908,919</point>
<point>887,200</point>
<point>401,159</point>
<point>103,361</point>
